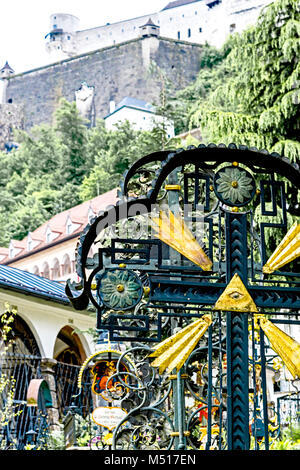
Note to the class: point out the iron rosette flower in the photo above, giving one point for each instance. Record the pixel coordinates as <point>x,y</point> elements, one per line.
<point>120,289</point>
<point>234,186</point>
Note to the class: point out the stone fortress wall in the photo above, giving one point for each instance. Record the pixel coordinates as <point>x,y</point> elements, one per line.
<point>114,60</point>
<point>114,72</point>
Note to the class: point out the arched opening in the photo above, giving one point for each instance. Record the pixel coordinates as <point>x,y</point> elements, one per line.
<point>68,347</point>
<point>66,266</point>
<point>46,271</point>
<point>36,271</point>
<point>19,364</point>
<point>70,355</point>
<point>21,340</point>
<point>55,274</point>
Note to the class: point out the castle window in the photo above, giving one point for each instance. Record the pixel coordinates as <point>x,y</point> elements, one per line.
<point>69,37</point>
<point>232,27</point>
<point>196,13</point>
<point>54,26</point>
<point>178,35</point>
<point>189,33</point>
<point>122,30</point>
<point>200,30</point>
<point>9,100</point>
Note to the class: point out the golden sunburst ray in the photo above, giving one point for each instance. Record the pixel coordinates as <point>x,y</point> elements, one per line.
<point>174,351</point>
<point>174,232</point>
<point>287,250</point>
<point>283,344</point>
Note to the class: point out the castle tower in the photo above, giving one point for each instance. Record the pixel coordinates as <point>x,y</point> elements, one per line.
<point>5,72</point>
<point>149,29</point>
<point>61,40</point>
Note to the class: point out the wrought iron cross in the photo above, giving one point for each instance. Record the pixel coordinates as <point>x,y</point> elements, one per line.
<point>134,275</point>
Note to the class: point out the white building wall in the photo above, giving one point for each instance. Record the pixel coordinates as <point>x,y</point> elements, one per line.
<point>108,35</point>
<point>46,319</point>
<point>194,22</point>
<point>187,20</point>
<point>58,252</point>
<point>140,120</point>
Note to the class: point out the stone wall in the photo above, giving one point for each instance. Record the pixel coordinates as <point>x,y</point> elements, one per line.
<point>114,72</point>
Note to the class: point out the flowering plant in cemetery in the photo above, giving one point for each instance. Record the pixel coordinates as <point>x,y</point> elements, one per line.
<point>8,409</point>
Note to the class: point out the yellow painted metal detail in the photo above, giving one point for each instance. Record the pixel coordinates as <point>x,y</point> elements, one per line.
<point>172,187</point>
<point>88,359</point>
<point>287,250</point>
<point>174,351</point>
<point>235,298</point>
<point>283,344</point>
<point>173,231</point>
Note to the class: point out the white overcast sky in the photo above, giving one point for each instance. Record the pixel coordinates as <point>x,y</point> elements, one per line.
<point>25,23</point>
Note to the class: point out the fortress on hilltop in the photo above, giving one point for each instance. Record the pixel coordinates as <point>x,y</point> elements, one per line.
<point>103,65</point>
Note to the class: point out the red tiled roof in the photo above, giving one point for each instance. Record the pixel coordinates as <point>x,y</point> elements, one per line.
<point>78,215</point>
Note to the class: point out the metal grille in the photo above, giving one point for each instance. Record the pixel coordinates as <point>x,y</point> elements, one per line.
<point>20,368</point>
<point>66,376</point>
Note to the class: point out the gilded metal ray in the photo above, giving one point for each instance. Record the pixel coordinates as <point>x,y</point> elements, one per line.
<point>283,344</point>
<point>174,351</point>
<point>287,250</point>
<point>235,297</point>
<point>174,232</point>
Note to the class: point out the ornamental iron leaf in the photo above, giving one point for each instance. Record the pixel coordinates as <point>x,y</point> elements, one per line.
<point>120,289</point>
<point>234,186</point>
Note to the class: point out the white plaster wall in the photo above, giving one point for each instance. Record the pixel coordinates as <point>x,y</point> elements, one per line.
<point>107,35</point>
<point>65,21</point>
<point>140,120</point>
<point>181,19</point>
<point>45,319</point>
<point>205,24</point>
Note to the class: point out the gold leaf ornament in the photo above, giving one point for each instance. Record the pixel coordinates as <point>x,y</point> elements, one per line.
<point>174,351</point>
<point>235,297</point>
<point>287,250</point>
<point>174,232</point>
<point>283,344</point>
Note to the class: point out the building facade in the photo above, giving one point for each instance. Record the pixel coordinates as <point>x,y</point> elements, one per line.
<point>49,251</point>
<point>140,114</point>
<point>196,21</point>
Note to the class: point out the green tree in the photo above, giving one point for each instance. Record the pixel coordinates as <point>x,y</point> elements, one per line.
<point>72,132</point>
<point>120,148</point>
<point>258,103</point>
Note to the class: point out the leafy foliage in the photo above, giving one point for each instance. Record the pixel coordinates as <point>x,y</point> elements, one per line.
<point>57,167</point>
<point>258,103</point>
